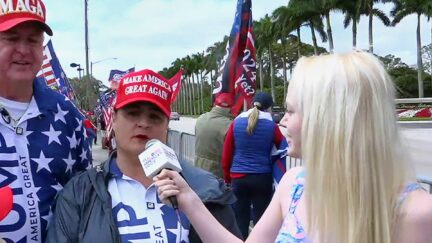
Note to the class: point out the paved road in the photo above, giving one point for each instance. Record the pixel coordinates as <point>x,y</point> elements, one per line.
<point>419,147</point>
<point>185,124</point>
<point>99,154</point>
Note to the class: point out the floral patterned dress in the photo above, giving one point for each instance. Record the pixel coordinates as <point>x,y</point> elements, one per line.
<point>292,231</point>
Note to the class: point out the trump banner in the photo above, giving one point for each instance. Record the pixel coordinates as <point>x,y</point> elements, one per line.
<point>52,73</point>
<point>115,76</point>
<point>237,73</point>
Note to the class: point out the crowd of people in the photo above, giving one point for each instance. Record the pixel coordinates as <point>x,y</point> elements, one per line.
<point>356,186</point>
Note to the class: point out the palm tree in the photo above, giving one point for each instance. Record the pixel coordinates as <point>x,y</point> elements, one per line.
<point>259,51</point>
<point>403,8</point>
<point>307,13</point>
<point>370,11</point>
<point>287,20</point>
<point>352,9</point>
<point>200,67</point>
<point>324,7</point>
<point>266,37</point>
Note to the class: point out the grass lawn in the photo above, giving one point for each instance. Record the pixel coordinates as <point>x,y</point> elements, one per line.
<point>415,119</point>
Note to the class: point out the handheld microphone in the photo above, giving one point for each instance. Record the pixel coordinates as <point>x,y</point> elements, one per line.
<point>6,201</point>
<point>156,157</point>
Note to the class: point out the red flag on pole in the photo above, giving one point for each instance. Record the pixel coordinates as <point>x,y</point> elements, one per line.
<point>237,74</point>
<point>175,83</point>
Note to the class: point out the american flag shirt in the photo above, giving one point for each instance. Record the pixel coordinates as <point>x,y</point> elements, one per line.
<point>139,213</point>
<point>37,158</point>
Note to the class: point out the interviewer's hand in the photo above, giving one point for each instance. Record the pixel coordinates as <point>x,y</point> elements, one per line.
<point>170,183</point>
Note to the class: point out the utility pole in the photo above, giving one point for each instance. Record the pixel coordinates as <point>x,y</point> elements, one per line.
<point>86,36</point>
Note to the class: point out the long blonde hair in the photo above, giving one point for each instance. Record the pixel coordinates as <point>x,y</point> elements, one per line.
<point>355,163</point>
<point>252,120</point>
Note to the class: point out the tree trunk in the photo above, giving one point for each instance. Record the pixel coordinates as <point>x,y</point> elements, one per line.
<point>186,96</point>
<point>193,94</point>
<point>370,27</point>
<point>419,60</point>
<point>190,96</point>
<point>211,87</point>
<point>182,96</point>
<point>272,86</point>
<point>202,90</point>
<point>198,110</point>
<point>285,79</point>
<point>329,32</point>
<point>260,70</point>
<point>314,40</point>
<point>354,32</point>
<point>298,42</point>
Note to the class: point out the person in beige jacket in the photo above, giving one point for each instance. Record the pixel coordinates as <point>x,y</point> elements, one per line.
<point>210,130</point>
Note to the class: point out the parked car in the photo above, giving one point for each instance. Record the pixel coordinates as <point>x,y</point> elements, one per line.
<point>174,116</point>
<point>277,113</point>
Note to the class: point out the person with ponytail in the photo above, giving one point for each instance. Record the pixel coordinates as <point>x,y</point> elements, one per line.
<point>246,160</point>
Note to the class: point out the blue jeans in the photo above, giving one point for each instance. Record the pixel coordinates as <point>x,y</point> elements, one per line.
<point>255,190</point>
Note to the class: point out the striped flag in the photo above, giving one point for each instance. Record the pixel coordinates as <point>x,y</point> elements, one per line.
<point>52,73</point>
<point>237,73</point>
<point>279,161</point>
<point>106,101</point>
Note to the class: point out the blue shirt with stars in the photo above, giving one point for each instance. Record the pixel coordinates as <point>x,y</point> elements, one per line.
<point>37,158</point>
<point>139,213</point>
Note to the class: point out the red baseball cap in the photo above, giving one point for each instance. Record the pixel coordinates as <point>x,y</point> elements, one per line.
<point>15,12</point>
<point>144,85</point>
<point>224,100</point>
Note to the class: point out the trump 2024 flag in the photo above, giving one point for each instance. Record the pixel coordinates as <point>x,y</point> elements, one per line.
<point>237,74</point>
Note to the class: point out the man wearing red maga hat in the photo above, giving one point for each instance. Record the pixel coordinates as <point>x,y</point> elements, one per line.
<point>118,195</point>
<point>42,142</point>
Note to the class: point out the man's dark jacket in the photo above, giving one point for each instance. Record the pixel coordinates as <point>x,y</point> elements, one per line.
<point>84,209</point>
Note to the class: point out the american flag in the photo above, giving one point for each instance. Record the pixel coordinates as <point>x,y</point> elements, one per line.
<point>52,73</point>
<point>106,101</point>
<point>237,73</point>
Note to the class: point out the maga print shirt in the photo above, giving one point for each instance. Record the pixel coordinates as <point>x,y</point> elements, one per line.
<point>37,158</point>
<point>140,215</point>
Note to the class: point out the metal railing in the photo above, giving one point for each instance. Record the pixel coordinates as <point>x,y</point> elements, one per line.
<point>184,146</point>
<point>413,101</point>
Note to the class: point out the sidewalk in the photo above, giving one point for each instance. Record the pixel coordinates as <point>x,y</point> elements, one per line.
<point>99,154</point>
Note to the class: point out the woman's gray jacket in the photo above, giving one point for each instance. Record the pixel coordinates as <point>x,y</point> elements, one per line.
<point>84,210</point>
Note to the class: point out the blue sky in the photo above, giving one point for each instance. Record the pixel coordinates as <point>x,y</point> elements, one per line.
<point>153,33</point>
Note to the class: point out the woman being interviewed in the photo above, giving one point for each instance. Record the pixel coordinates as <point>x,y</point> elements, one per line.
<point>356,186</point>
<point>246,160</point>
<point>116,201</point>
